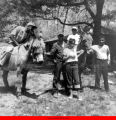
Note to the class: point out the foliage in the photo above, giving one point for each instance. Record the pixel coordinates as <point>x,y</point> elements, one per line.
<point>65,12</point>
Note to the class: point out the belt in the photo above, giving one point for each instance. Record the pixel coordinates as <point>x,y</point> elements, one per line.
<point>72,63</point>
<point>102,59</point>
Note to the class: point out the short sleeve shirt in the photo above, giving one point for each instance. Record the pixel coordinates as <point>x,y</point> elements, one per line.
<point>76,37</point>
<point>101,51</point>
<point>18,32</point>
<point>77,40</point>
<point>57,51</point>
<point>69,52</point>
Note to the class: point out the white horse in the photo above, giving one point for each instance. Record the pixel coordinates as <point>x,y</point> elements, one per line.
<point>16,60</point>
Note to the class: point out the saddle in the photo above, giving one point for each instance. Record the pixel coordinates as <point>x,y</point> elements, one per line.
<point>5,53</point>
<point>11,57</point>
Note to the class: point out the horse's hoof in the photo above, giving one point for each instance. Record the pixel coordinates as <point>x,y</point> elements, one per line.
<point>23,91</point>
<point>7,87</point>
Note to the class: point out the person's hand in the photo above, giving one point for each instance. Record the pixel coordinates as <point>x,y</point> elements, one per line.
<point>72,57</point>
<point>89,51</point>
<point>108,62</point>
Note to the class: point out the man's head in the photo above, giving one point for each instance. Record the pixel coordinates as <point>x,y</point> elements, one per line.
<point>102,41</point>
<point>60,37</point>
<point>31,28</point>
<point>71,43</point>
<point>74,30</point>
<point>23,23</point>
<point>31,25</point>
<point>90,31</point>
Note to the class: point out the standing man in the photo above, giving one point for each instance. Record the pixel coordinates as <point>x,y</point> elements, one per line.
<point>102,61</point>
<point>57,53</point>
<point>75,36</point>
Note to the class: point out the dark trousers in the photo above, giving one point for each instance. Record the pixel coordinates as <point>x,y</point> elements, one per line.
<point>101,69</point>
<point>71,76</point>
<point>57,73</point>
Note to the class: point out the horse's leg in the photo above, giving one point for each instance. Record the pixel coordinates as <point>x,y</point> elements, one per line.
<point>24,80</point>
<point>80,80</point>
<point>19,82</point>
<point>5,75</point>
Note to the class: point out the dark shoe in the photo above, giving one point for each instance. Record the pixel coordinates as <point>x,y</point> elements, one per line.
<point>107,91</point>
<point>67,92</point>
<point>98,88</point>
<point>71,94</point>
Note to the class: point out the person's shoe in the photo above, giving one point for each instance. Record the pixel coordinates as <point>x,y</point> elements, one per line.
<point>77,86</point>
<point>98,88</point>
<point>70,97</point>
<point>70,94</point>
<point>107,91</point>
<point>80,98</point>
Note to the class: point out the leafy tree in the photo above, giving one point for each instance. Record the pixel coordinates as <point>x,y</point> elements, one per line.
<point>81,12</point>
<point>48,9</point>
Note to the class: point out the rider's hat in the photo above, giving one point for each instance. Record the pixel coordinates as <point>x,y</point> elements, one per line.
<point>31,24</point>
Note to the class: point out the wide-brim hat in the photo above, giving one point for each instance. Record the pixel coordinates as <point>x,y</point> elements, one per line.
<point>60,35</point>
<point>72,41</point>
<point>31,24</point>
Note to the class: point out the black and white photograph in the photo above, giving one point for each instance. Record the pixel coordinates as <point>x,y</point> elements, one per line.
<point>58,58</point>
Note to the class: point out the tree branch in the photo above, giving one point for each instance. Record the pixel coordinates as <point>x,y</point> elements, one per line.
<point>60,3</point>
<point>89,9</point>
<point>68,24</point>
<point>65,18</point>
<point>72,24</point>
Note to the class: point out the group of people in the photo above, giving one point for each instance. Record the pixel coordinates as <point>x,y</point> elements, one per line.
<point>66,57</point>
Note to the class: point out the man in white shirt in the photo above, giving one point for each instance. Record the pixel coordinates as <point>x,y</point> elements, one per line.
<point>102,61</point>
<point>75,36</point>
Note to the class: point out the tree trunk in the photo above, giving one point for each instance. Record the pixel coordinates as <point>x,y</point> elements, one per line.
<point>97,21</point>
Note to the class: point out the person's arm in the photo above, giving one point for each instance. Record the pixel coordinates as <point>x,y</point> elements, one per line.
<point>66,56</point>
<point>91,50</point>
<point>108,54</point>
<point>80,52</point>
<point>53,50</point>
<point>43,45</point>
<point>13,34</point>
<point>68,38</point>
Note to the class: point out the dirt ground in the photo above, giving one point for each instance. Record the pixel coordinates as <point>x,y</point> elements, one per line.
<point>39,102</point>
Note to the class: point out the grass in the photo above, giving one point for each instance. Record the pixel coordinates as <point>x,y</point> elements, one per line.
<point>94,103</point>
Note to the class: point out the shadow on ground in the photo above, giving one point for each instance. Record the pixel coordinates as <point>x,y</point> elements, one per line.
<point>12,90</point>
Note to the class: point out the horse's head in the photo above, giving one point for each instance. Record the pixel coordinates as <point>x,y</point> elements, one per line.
<point>85,60</point>
<point>83,45</point>
<point>28,46</point>
<point>37,52</point>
